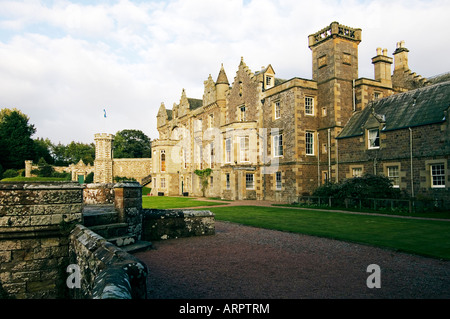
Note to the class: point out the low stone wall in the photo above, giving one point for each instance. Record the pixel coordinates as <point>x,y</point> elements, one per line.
<point>106,271</point>
<point>35,219</point>
<point>98,193</point>
<point>164,224</point>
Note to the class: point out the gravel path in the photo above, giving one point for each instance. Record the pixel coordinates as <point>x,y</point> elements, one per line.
<point>241,262</point>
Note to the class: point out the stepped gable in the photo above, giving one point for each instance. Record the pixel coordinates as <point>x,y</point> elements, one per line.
<point>418,107</point>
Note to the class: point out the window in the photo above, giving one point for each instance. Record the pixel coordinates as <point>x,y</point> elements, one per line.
<point>228,150</point>
<point>309,105</point>
<point>228,180</point>
<point>211,157</point>
<point>211,181</point>
<point>242,116</point>
<point>198,125</point>
<point>249,183</point>
<point>211,120</point>
<point>278,145</point>
<point>268,81</point>
<point>376,95</point>
<point>357,171</point>
<point>374,138</point>
<point>324,111</point>
<point>277,110</point>
<point>163,183</point>
<point>278,180</point>
<point>437,175</point>
<point>309,137</point>
<point>393,175</point>
<point>244,151</point>
<point>163,161</point>
<point>185,157</point>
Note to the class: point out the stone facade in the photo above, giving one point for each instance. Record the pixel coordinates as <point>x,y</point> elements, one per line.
<point>79,171</point>
<point>273,139</point>
<point>107,167</point>
<point>34,246</point>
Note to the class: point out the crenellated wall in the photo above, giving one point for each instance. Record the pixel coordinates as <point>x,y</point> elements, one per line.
<point>35,219</point>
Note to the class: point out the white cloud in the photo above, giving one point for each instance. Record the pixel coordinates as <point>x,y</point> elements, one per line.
<point>63,61</point>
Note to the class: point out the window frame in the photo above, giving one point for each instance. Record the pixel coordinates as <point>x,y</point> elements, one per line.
<point>247,180</point>
<point>278,180</point>
<point>441,176</point>
<point>277,110</point>
<point>277,142</point>
<point>370,138</point>
<point>311,143</point>
<point>228,148</point>
<point>395,179</point>
<point>310,106</point>
<point>244,150</point>
<point>227,181</point>
<point>162,161</point>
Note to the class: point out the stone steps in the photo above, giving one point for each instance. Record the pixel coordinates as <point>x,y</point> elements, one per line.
<point>104,220</point>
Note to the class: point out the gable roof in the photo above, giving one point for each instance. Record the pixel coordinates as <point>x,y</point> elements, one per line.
<point>422,106</point>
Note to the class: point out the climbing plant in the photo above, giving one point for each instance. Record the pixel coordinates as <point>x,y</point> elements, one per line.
<point>203,174</point>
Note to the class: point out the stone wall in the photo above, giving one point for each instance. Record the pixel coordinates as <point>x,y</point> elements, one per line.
<point>98,193</point>
<point>106,272</point>
<point>34,222</point>
<point>166,224</point>
<point>137,168</point>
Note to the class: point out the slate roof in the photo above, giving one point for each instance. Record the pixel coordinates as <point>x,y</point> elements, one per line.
<point>195,103</point>
<point>422,106</point>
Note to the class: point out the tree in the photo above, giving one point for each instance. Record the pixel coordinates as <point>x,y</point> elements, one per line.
<point>16,144</point>
<point>203,174</point>
<point>42,148</point>
<point>132,144</point>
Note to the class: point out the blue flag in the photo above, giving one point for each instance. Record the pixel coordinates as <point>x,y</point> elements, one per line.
<point>104,111</point>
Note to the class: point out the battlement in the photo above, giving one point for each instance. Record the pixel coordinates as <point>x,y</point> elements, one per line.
<point>334,30</point>
<point>104,136</point>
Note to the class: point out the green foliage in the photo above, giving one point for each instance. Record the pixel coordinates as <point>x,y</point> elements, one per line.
<point>132,144</point>
<point>10,173</point>
<point>203,174</point>
<point>119,179</point>
<point>367,186</point>
<point>45,170</point>
<point>16,144</point>
<point>89,178</point>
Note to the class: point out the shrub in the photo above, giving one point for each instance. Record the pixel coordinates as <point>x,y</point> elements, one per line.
<point>9,173</point>
<point>367,186</point>
<point>89,178</point>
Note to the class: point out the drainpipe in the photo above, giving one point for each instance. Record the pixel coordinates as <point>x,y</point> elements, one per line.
<point>329,155</point>
<point>318,161</point>
<point>411,158</point>
<point>354,98</point>
<point>337,161</point>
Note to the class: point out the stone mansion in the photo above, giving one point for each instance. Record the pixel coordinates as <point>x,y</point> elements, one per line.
<point>266,138</point>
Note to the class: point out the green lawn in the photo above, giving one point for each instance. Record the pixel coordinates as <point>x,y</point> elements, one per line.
<point>165,202</point>
<point>423,237</point>
<point>35,179</point>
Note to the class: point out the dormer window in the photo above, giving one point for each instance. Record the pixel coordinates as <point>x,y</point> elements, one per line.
<point>373,138</point>
<point>269,80</point>
<point>242,116</point>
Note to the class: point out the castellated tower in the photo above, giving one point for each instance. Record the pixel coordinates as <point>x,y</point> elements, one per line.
<point>335,66</point>
<point>103,164</point>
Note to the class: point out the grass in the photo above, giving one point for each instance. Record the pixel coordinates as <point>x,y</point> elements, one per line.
<point>427,214</point>
<point>422,237</point>
<point>34,179</point>
<point>165,202</point>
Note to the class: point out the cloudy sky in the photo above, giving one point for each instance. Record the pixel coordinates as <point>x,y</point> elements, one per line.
<point>63,62</point>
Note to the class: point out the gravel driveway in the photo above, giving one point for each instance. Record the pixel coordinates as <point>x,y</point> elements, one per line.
<point>241,262</point>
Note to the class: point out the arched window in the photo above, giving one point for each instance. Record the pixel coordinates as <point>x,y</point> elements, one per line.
<point>163,161</point>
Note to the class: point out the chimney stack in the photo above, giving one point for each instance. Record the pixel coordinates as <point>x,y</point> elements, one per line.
<point>382,65</point>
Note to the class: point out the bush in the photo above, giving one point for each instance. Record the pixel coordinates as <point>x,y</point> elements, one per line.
<point>367,186</point>
<point>118,179</point>
<point>89,178</point>
<point>9,173</point>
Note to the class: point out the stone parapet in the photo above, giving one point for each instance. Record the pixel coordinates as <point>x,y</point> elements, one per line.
<point>128,203</point>
<point>106,271</point>
<point>35,219</point>
<point>166,224</point>
<point>98,193</point>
